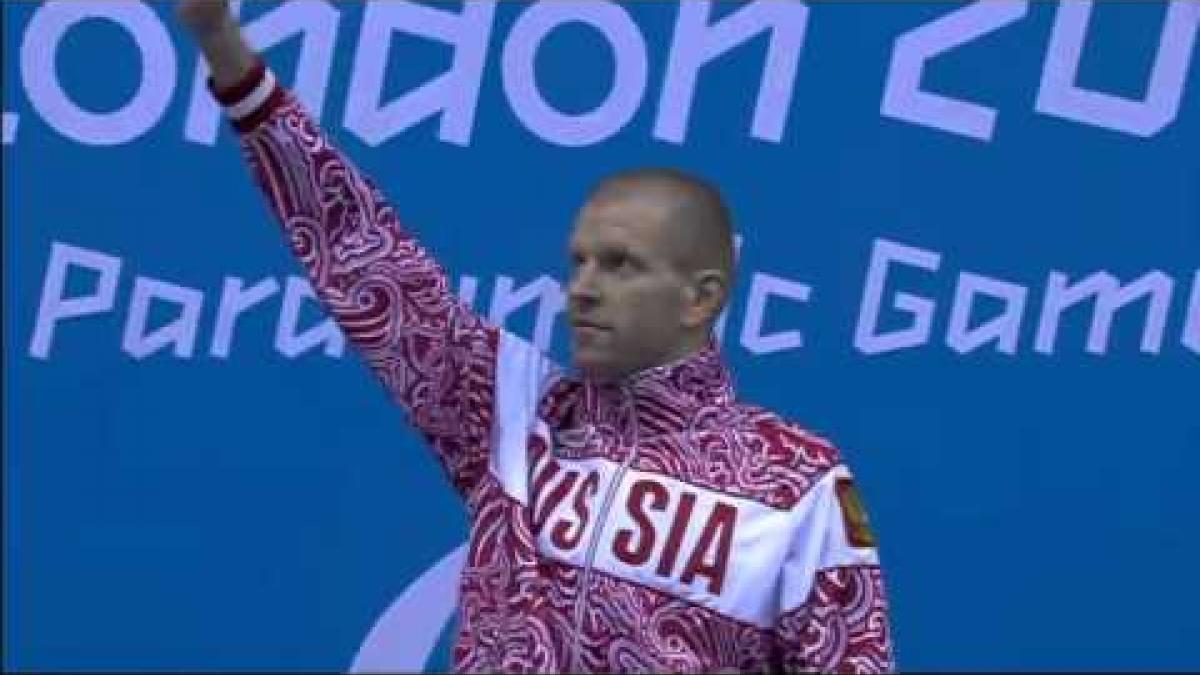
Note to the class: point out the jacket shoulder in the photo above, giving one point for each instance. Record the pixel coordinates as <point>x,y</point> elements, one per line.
<point>797,456</point>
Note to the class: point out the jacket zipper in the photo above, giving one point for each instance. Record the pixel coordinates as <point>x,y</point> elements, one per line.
<point>589,560</point>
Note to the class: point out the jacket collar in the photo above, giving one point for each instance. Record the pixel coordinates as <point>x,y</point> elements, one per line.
<point>667,398</point>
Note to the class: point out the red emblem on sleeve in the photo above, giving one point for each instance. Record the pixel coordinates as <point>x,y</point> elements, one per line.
<point>858,531</point>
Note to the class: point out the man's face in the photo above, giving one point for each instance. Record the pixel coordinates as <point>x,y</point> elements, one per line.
<point>627,299</point>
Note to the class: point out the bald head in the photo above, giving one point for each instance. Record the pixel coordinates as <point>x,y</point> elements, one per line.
<point>697,221</point>
<point>652,263</point>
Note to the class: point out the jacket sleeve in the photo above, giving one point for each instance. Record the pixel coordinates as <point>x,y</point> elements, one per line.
<point>833,609</point>
<point>389,297</point>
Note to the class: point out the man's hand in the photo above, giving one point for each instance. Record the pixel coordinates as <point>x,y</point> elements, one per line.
<point>219,38</point>
<point>203,17</point>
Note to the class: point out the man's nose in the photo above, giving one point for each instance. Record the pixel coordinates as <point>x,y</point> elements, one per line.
<point>583,290</point>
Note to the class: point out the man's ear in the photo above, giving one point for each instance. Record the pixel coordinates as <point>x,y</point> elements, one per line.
<point>708,292</point>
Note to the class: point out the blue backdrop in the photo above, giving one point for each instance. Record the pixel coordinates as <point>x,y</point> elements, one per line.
<point>970,251</point>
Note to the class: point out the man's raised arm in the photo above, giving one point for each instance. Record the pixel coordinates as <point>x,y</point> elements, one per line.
<point>390,298</point>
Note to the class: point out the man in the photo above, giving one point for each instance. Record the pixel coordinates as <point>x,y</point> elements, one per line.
<point>630,516</point>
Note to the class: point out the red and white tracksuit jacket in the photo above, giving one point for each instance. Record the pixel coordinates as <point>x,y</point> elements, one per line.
<point>654,525</point>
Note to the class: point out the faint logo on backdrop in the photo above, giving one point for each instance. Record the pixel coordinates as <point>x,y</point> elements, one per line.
<point>405,635</point>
